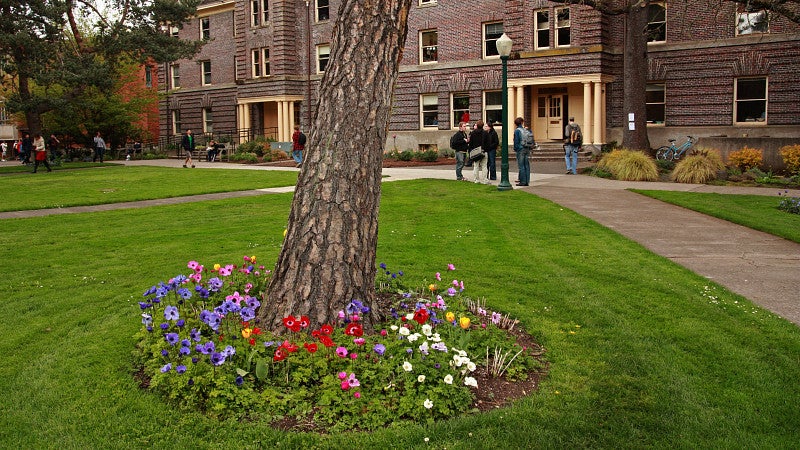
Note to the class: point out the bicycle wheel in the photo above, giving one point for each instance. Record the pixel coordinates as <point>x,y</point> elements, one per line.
<point>663,153</point>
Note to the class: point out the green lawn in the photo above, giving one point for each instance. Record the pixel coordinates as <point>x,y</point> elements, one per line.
<point>642,353</point>
<point>758,212</point>
<point>116,183</point>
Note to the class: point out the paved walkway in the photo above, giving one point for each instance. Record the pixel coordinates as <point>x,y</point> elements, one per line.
<point>756,265</point>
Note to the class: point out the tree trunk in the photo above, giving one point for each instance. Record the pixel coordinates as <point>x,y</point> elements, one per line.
<point>328,257</point>
<point>635,80</point>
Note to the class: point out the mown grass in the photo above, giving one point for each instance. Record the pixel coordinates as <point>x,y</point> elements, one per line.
<point>642,352</point>
<point>758,212</point>
<point>117,183</point>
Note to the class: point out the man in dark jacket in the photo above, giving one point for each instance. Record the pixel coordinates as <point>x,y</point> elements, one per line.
<point>26,149</point>
<point>460,143</point>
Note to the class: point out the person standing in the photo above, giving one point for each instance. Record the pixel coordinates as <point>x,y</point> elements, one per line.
<point>492,143</point>
<point>26,148</point>
<point>298,145</point>
<point>52,146</point>
<point>99,148</point>
<point>459,142</point>
<point>187,144</point>
<point>573,139</point>
<point>4,147</point>
<point>477,139</point>
<point>41,153</point>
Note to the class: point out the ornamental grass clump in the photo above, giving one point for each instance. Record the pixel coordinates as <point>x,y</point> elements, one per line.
<point>201,347</point>
<point>629,165</point>
<point>699,167</point>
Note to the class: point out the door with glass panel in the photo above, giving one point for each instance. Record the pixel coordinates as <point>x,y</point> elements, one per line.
<point>549,114</point>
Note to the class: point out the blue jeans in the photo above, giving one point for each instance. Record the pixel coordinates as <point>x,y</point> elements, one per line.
<point>460,156</point>
<point>491,164</point>
<point>571,158</point>
<point>297,155</point>
<point>524,166</point>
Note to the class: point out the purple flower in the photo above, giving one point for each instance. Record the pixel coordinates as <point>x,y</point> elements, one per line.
<point>185,351</point>
<point>144,305</point>
<point>171,313</point>
<point>164,326</point>
<point>190,382</point>
<point>247,314</point>
<point>180,369</point>
<point>239,380</point>
<point>379,349</point>
<point>166,368</point>
<point>252,302</point>
<point>172,338</point>
<point>147,319</point>
<point>383,266</point>
<point>180,323</point>
<point>195,335</point>
<point>451,292</point>
<point>214,284</point>
<point>217,359</point>
<point>165,352</point>
<point>186,343</point>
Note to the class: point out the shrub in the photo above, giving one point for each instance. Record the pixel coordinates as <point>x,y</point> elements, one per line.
<point>791,157</point>
<point>274,154</point>
<point>427,155</point>
<point>746,158</point>
<point>699,167</point>
<point>629,165</point>
<point>665,165</point>
<point>244,157</point>
<point>258,146</point>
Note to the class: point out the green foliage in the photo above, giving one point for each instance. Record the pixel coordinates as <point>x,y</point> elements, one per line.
<point>273,154</point>
<point>789,204</point>
<point>245,157</point>
<point>699,167</point>
<point>791,157</point>
<point>665,165</point>
<point>629,165</point>
<point>429,155</point>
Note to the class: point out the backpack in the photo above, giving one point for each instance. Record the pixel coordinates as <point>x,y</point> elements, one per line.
<point>527,138</point>
<point>301,139</point>
<point>575,136</point>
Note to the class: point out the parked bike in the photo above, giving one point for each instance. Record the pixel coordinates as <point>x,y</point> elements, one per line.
<point>671,152</point>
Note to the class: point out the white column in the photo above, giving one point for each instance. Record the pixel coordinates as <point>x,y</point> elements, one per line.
<point>520,112</point>
<point>512,111</point>
<point>281,115</point>
<point>599,90</point>
<point>284,125</point>
<point>289,122</point>
<point>587,111</point>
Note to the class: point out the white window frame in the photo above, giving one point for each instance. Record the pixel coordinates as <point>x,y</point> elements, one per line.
<point>492,106</point>
<point>652,87</point>
<point>427,2</point>
<point>487,41</point>
<point>259,13</point>
<point>323,53</point>
<point>456,114</point>
<point>176,121</point>
<point>205,72</point>
<point>561,25</point>
<point>208,120</point>
<point>428,104</point>
<point>175,76</point>
<point>174,31</point>
<point>322,12</point>
<point>428,49</point>
<point>538,28</point>
<point>260,62</point>
<point>205,28</point>
<point>653,24</point>
<point>736,101</point>
<point>747,17</point>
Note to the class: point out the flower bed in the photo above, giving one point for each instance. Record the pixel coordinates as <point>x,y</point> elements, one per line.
<point>200,346</point>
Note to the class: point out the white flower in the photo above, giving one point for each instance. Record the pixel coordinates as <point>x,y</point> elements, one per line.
<point>414,337</point>
<point>404,331</point>
<point>427,403</point>
<point>407,366</point>
<point>427,330</point>
<point>469,381</point>
<point>435,337</point>
<point>448,379</point>
<point>393,327</point>
<point>471,366</point>
<point>424,348</point>
<point>421,378</point>
<point>410,316</point>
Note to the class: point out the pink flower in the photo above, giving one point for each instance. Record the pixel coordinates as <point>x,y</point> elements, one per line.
<point>383,332</point>
<point>357,395</point>
<point>359,341</point>
<point>193,265</point>
<point>341,352</point>
<point>341,314</point>
<point>455,283</point>
<point>451,267</point>
<point>345,385</point>
<point>438,276</point>
<point>342,375</point>
<point>353,355</point>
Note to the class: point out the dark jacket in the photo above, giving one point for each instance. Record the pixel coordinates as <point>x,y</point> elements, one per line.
<point>491,140</point>
<point>476,138</point>
<point>457,142</point>
<point>187,142</point>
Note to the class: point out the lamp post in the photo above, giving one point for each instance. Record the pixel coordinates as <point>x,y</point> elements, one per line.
<point>504,48</point>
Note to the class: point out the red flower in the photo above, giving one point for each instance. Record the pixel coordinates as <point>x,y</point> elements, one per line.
<point>252,341</point>
<point>304,321</point>
<point>312,348</point>
<point>354,329</point>
<point>421,316</point>
<point>315,333</point>
<point>256,331</point>
<point>291,348</point>
<point>289,322</point>
<point>326,341</point>
<point>221,337</point>
<point>245,324</point>
<point>280,355</point>
<point>326,329</point>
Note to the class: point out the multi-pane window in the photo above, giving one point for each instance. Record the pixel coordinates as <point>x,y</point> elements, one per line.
<point>429,104</point>
<point>205,28</point>
<point>656,22</point>
<point>148,76</point>
<point>493,106</point>
<point>655,100</point>
<point>429,46</point>
<point>206,68</point>
<point>749,22</point>
<point>259,10</point>
<point>260,57</point>
<point>208,121</point>
<point>460,109</point>
<point>562,27</point>
<point>542,32</point>
<point>491,33</point>
<point>176,122</point>
<point>751,100</point>
<point>323,56</point>
<point>323,10</point>
<point>175,76</point>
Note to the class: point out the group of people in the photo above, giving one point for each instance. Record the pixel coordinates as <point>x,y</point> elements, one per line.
<point>33,150</point>
<point>484,136</point>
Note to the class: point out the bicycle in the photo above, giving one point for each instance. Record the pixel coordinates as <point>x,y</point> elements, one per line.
<point>670,152</point>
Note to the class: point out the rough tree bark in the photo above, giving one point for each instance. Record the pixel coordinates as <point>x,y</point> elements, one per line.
<point>635,80</point>
<point>328,257</point>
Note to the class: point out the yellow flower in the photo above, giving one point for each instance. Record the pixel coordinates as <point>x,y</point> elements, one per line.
<point>450,317</point>
<point>432,287</point>
<point>217,266</point>
<point>253,258</point>
<point>284,232</point>
<point>464,322</point>
<point>246,333</point>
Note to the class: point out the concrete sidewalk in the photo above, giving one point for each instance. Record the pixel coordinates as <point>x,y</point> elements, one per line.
<point>756,265</point>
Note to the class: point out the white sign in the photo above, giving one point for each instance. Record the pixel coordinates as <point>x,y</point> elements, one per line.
<point>631,126</point>
<point>630,117</point>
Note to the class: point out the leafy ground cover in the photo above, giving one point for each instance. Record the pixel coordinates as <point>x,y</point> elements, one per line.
<point>102,184</point>
<point>759,212</point>
<point>641,352</point>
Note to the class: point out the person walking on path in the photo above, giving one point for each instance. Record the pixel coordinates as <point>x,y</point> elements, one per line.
<point>573,139</point>
<point>459,142</point>
<point>99,148</point>
<point>26,148</point>
<point>298,145</point>
<point>41,153</point>
<point>522,148</point>
<point>187,144</point>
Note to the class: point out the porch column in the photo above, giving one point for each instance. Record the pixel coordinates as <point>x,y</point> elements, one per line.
<point>289,129</point>
<point>587,110</point>
<point>519,112</point>
<point>244,121</point>
<point>599,93</point>
<point>508,128</point>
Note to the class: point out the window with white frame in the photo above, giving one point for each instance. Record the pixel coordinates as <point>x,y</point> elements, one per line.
<point>260,58</point>
<point>493,106</point>
<point>205,28</point>
<point>206,69</point>
<point>174,31</point>
<point>323,10</point>
<point>429,110</point>
<point>655,100</point>
<point>460,108</point>
<point>750,100</point>
<point>656,22</point>
<point>259,12</point>
<point>323,56</point>
<point>491,33</point>
<point>175,76</point>
<point>176,122</point>
<point>749,22</point>
<point>542,31</point>
<point>429,46</point>
<point>427,2</point>
<point>563,37</point>
<point>208,121</point>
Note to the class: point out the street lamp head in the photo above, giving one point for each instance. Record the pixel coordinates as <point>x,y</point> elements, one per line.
<point>504,44</point>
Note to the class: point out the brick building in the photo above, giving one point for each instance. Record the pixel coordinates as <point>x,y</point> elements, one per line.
<point>730,74</point>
